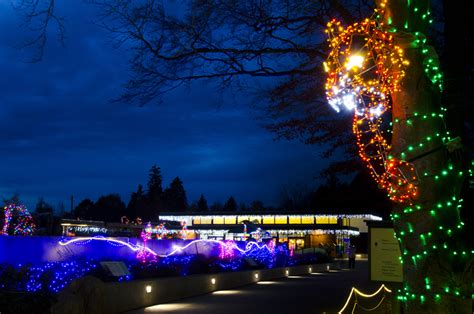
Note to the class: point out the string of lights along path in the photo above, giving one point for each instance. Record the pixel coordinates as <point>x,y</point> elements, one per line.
<point>364,68</point>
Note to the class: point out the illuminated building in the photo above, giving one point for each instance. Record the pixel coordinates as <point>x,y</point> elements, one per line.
<point>300,230</point>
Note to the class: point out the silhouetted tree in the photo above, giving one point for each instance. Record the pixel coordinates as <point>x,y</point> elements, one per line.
<point>155,190</point>
<point>14,199</point>
<point>230,205</point>
<point>243,207</point>
<point>193,207</point>
<point>257,206</point>
<point>137,206</point>
<point>202,204</point>
<point>109,208</point>
<point>295,197</point>
<point>84,210</point>
<point>155,183</point>
<point>216,207</point>
<point>44,217</point>
<point>175,196</point>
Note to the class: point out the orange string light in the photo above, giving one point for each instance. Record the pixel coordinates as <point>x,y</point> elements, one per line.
<point>364,68</point>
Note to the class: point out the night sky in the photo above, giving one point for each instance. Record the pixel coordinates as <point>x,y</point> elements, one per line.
<point>60,135</point>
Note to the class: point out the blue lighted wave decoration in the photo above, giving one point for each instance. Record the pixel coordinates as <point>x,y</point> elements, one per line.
<point>226,247</point>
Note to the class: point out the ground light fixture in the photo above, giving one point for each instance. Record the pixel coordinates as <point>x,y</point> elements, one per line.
<point>287,272</point>
<point>310,270</point>
<point>213,281</point>
<point>256,276</point>
<point>327,267</point>
<point>148,289</point>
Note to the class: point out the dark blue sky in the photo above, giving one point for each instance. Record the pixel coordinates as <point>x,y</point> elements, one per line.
<point>61,136</point>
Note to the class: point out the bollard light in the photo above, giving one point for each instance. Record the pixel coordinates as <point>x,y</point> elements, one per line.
<point>287,272</point>
<point>256,276</point>
<point>327,267</point>
<point>148,289</point>
<point>310,269</point>
<point>213,281</point>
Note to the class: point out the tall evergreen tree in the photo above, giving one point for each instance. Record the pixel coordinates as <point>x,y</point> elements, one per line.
<point>175,196</point>
<point>230,205</point>
<point>137,205</point>
<point>154,202</point>
<point>155,182</point>
<point>202,204</point>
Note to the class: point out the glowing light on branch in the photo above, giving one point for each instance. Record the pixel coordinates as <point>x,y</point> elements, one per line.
<point>364,68</point>
<point>354,61</point>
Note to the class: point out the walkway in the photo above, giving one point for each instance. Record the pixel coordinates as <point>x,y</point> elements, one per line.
<point>316,293</point>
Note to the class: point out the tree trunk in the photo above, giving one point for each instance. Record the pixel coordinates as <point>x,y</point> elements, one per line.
<point>437,268</point>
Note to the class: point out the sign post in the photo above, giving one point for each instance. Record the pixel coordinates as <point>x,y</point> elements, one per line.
<point>384,253</point>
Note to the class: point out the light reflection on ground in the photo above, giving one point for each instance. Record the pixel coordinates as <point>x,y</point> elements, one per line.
<point>170,307</point>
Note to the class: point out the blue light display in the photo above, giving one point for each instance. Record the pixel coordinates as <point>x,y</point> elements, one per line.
<point>52,277</point>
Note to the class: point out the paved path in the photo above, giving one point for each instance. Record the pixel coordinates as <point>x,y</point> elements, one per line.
<point>316,293</point>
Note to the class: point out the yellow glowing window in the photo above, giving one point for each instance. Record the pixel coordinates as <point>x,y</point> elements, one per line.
<point>307,220</point>
<point>230,220</point>
<point>333,220</point>
<point>196,220</point>
<point>281,220</point>
<point>268,220</point>
<point>218,220</point>
<point>295,219</point>
<point>206,220</point>
<point>322,220</point>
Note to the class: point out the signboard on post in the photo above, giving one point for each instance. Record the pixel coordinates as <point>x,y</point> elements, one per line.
<point>384,254</point>
<point>116,269</point>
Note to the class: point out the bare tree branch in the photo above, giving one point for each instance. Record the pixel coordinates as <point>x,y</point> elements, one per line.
<point>38,16</point>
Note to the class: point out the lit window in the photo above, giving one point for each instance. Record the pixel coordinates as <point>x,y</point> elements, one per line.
<point>295,219</point>
<point>230,220</point>
<point>268,220</point>
<point>322,220</point>
<point>206,220</point>
<point>218,220</point>
<point>281,220</point>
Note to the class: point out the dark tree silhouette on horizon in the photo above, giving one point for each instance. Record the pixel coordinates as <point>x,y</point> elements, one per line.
<point>174,197</point>
<point>230,205</point>
<point>202,204</point>
<point>109,208</point>
<point>85,210</point>
<point>138,204</point>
